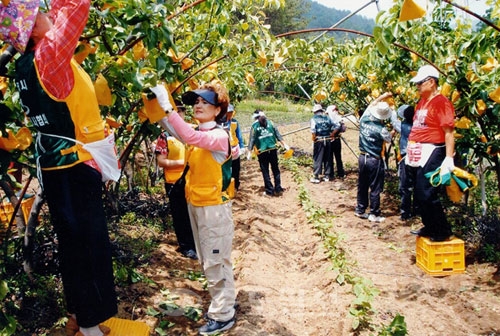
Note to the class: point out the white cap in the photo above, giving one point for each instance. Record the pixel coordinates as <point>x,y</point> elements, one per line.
<point>331,108</point>
<point>381,111</point>
<point>424,72</point>
<point>258,113</point>
<point>317,108</point>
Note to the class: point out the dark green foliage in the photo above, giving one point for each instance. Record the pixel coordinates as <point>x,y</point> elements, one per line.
<point>321,16</point>
<point>289,18</point>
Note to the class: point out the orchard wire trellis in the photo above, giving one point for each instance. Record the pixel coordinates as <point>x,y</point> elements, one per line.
<point>317,38</point>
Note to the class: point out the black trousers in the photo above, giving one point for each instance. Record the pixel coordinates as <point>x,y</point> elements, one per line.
<point>370,184</point>
<point>428,197</point>
<point>337,155</point>
<point>236,167</point>
<point>408,205</point>
<point>74,197</point>
<point>322,158</point>
<point>180,216</point>
<point>266,159</point>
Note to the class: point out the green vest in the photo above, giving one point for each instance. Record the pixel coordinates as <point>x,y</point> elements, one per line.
<point>371,139</point>
<point>265,137</point>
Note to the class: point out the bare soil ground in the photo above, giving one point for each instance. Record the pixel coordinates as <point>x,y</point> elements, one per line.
<point>285,285</point>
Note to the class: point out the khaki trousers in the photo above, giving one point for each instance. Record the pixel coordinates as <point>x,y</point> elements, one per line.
<point>213,232</point>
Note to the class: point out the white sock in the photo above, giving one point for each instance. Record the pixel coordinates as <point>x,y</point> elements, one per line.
<point>92,331</point>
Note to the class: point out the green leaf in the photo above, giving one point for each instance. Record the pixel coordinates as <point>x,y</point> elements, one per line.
<point>152,312</point>
<point>4,289</point>
<point>340,279</point>
<point>222,28</point>
<point>355,324</point>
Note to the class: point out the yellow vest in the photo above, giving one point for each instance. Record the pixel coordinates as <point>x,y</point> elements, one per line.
<point>176,151</point>
<point>233,139</point>
<point>204,179</point>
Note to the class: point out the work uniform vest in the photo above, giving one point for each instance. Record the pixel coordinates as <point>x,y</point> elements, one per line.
<point>176,151</point>
<point>77,116</point>
<point>371,140</point>
<point>233,138</point>
<point>323,125</point>
<point>265,137</point>
<point>207,180</point>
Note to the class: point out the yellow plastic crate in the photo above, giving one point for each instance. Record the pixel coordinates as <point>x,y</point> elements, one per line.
<point>441,258</point>
<point>122,327</point>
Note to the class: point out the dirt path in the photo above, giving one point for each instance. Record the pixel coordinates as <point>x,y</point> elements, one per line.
<point>284,283</point>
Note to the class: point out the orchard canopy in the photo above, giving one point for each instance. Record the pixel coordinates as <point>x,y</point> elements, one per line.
<point>129,45</point>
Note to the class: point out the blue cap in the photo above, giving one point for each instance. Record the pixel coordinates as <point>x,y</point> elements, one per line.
<point>189,98</point>
<point>230,108</point>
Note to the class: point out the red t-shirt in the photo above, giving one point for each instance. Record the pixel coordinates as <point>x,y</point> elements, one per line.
<point>430,118</point>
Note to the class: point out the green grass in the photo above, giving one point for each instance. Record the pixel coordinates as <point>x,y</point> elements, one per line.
<point>280,112</point>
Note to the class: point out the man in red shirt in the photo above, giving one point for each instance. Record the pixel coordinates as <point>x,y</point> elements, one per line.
<point>431,145</point>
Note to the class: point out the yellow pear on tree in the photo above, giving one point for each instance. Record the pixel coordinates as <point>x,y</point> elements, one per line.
<point>278,60</point>
<point>446,89</point>
<point>463,123</point>
<point>335,87</point>
<point>480,106</point>
<point>262,57</point>
<point>495,95</point>
<point>187,63</point>
<point>102,91</point>
<point>491,64</point>
<point>139,51</point>
<point>249,78</point>
<point>320,95</point>
<point>82,51</point>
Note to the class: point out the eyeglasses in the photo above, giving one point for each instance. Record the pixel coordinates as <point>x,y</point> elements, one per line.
<point>423,81</point>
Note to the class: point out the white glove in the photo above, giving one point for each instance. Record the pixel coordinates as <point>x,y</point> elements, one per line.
<point>287,147</point>
<point>162,97</point>
<point>447,166</point>
<point>243,151</point>
<point>249,155</point>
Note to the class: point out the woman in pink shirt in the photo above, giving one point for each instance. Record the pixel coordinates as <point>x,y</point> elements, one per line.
<point>207,181</point>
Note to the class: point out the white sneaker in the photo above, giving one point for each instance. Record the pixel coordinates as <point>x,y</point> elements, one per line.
<point>361,215</point>
<point>326,179</point>
<point>315,180</point>
<point>377,219</point>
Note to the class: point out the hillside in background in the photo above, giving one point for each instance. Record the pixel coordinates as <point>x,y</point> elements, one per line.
<point>320,16</point>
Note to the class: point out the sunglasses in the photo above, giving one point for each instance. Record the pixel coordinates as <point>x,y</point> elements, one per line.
<point>423,81</point>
